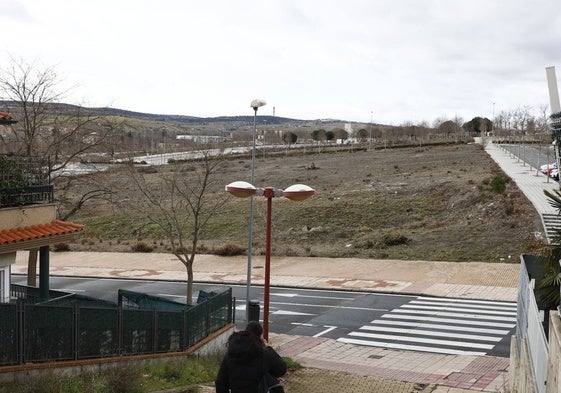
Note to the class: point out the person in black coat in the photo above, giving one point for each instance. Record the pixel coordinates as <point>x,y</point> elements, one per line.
<point>247,359</point>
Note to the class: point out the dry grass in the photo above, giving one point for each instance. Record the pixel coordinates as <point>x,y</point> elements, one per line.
<point>430,202</point>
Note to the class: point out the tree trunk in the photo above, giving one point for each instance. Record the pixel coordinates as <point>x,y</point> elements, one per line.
<point>32,268</point>
<point>189,266</point>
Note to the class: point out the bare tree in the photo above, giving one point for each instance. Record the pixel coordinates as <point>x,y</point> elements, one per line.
<point>181,204</point>
<point>46,127</point>
<point>519,119</point>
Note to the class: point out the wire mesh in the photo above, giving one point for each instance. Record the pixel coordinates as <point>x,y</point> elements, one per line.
<point>49,333</point>
<point>98,332</point>
<point>8,334</point>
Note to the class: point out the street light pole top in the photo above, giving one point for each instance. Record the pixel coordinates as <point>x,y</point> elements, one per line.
<point>298,192</point>
<point>257,103</point>
<point>241,189</point>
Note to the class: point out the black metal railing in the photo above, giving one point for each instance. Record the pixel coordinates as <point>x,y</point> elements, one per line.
<point>28,195</point>
<point>46,333</point>
<point>32,295</point>
<point>25,180</point>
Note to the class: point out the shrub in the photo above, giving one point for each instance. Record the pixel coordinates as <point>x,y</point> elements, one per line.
<point>60,247</point>
<point>498,184</point>
<point>173,370</point>
<point>229,249</point>
<point>141,247</point>
<point>124,380</point>
<point>394,239</point>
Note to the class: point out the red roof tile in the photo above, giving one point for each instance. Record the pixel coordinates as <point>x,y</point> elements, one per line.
<point>54,228</point>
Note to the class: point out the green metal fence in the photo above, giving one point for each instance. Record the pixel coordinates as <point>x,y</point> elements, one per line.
<point>8,334</point>
<point>48,332</point>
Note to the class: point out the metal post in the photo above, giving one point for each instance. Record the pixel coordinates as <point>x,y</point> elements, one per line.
<point>547,162</point>
<point>539,157</point>
<point>44,273</point>
<point>370,138</point>
<point>555,107</point>
<point>269,193</point>
<point>250,224</point>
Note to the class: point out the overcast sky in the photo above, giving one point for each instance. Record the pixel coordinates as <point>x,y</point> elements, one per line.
<point>392,60</point>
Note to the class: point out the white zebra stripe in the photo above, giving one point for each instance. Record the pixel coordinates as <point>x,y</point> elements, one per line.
<point>421,332</point>
<point>411,347</point>
<point>451,314</point>
<point>448,320</point>
<point>422,340</point>
<point>441,327</point>
<point>448,308</point>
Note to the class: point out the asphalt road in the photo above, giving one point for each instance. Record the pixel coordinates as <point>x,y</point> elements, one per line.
<point>533,155</point>
<point>439,325</point>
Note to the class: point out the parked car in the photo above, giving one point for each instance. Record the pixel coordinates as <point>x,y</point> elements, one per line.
<point>554,174</point>
<point>547,168</point>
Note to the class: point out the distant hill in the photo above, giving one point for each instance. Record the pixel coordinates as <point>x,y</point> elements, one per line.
<point>11,106</point>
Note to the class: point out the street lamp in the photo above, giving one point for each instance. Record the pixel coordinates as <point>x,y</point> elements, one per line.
<point>296,192</point>
<point>370,138</point>
<point>255,104</point>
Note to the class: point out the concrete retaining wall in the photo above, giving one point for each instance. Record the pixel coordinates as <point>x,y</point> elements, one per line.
<point>554,361</point>
<point>520,373</point>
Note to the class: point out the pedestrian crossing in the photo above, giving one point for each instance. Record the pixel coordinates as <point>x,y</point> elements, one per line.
<point>440,325</point>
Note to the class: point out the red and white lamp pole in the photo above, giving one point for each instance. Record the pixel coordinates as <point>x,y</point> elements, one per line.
<point>296,192</point>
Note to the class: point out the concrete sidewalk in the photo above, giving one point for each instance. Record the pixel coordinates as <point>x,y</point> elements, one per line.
<point>476,280</point>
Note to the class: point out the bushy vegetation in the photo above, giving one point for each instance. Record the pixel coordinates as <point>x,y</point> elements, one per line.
<point>123,379</point>
<point>61,247</point>
<point>229,249</point>
<point>141,247</point>
<point>498,184</point>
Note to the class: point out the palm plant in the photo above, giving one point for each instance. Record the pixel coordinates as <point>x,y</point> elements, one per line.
<point>550,283</point>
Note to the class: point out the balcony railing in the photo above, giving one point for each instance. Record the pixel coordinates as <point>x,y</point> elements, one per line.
<point>24,181</point>
<point>30,195</point>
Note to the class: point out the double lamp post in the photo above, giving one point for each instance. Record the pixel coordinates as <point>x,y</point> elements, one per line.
<point>296,192</point>
<point>243,190</point>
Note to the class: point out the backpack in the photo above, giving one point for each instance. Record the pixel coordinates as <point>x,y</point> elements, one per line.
<point>269,384</point>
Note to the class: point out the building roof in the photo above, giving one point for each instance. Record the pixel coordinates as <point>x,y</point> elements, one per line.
<point>35,236</point>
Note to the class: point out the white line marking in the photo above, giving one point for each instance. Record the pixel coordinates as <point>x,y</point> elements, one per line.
<point>329,328</point>
<point>169,295</point>
<point>445,299</point>
<point>479,311</point>
<point>448,320</point>
<point>329,306</point>
<point>455,304</point>
<point>292,295</point>
<point>422,340</point>
<point>431,333</point>
<point>411,347</point>
<point>442,327</point>
<point>284,312</point>
<point>451,314</point>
